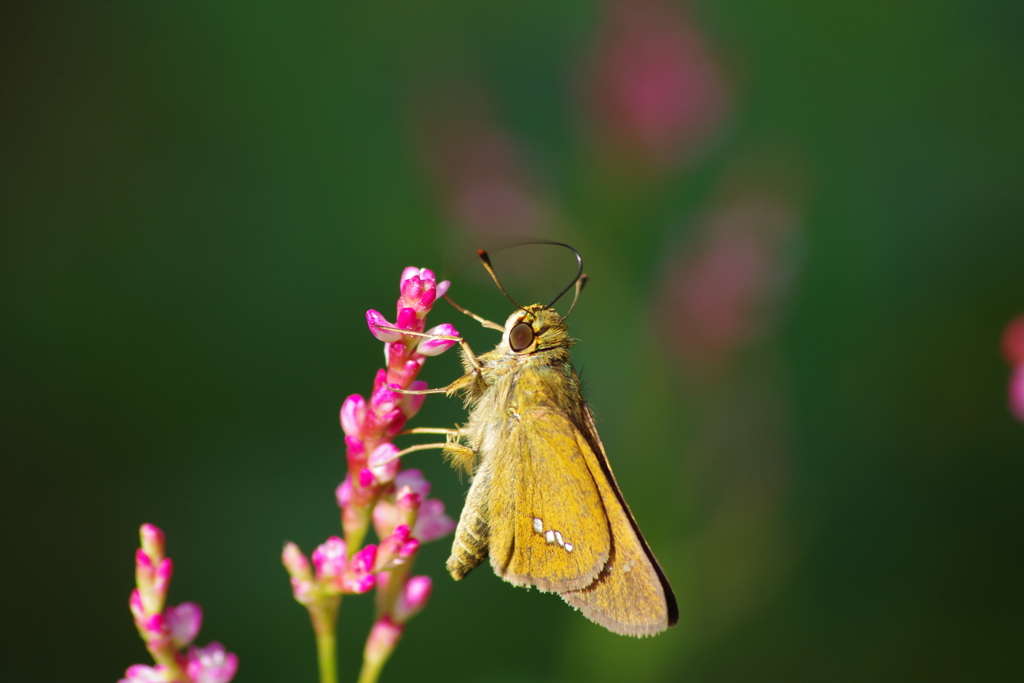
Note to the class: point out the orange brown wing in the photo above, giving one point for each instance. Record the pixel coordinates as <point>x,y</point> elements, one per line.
<point>548,527</point>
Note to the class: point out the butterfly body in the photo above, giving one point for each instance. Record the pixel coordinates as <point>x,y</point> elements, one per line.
<point>543,505</point>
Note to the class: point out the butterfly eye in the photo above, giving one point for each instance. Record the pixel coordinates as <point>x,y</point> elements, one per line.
<point>520,337</point>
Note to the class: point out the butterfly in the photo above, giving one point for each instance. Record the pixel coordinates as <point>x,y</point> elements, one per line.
<point>543,505</point>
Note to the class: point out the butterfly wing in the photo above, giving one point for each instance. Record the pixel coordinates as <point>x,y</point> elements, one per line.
<point>631,596</point>
<point>554,534</point>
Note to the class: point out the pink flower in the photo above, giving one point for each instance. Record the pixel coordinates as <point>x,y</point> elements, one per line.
<point>211,664</point>
<point>413,478</point>
<point>410,403</point>
<point>152,541</point>
<point>420,289</point>
<point>432,523</point>
<point>184,622</point>
<point>396,548</point>
<point>359,577</point>
<point>140,673</point>
<point>353,415</point>
<point>330,558</point>
<point>384,462</point>
<point>434,347</point>
<point>335,570</point>
<point>343,493</point>
<point>376,321</point>
<point>413,598</point>
<point>299,570</point>
<point>384,636</point>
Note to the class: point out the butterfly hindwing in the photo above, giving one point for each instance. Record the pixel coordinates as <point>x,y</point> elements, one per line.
<point>631,596</point>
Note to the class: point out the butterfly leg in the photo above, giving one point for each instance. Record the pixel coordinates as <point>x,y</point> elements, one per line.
<point>458,454</point>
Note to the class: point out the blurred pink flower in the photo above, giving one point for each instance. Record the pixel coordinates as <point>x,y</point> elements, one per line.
<point>168,630</point>
<point>722,287</point>
<point>140,673</point>
<point>184,622</point>
<point>414,597</point>
<point>1013,350</point>
<point>479,172</point>
<point>211,664</point>
<point>655,91</point>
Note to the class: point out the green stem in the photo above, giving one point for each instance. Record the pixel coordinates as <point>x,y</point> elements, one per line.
<point>325,655</point>
<point>371,670</point>
<point>324,616</point>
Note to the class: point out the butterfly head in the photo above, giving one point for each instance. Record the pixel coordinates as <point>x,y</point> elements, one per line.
<point>535,328</point>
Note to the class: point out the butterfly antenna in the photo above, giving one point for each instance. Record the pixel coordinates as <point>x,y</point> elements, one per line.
<point>575,281</point>
<point>490,271</point>
<point>580,282</point>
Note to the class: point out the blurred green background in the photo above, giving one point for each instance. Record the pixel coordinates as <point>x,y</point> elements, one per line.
<point>200,200</point>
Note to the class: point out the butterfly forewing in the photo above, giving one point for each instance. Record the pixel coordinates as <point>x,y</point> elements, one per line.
<point>554,534</point>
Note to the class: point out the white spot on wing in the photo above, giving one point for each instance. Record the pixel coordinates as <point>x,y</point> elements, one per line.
<point>558,538</point>
<point>568,547</point>
<point>549,536</point>
<point>538,525</point>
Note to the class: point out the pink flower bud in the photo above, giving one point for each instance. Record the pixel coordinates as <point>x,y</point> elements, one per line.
<point>295,561</point>
<point>411,271</point>
<point>329,558</point>
<point>375,321</point>
<point>412,290</point>
<point>433,347</point>
<point>384,462</point>
<point>408,320</point>
<point>384,636</point>
<point>152,541</point>
<point>154,631</point>
<point>211,664</point>
<point>362,561</point>
<point>184,622</point>
<point>426,301</point>
<point>393,423</point>
<point>442,288</point>
<point>303,591</point>
<point>358,577</point>
<point>413,598</point>
<point>145,573</point>
<point>408,500</point>
<point>163,576</point>
<point>395,549</point>
<point>136,606</point>
<point>432,523</point>
<point>343,493</point>
<point>140,673</point>
<point>385,517</point>
<point>413,478</point>
<point>366,478</point>
<point>384,400</point>
<point>353,415</point>
<point>355,453</point>
<point>411,403</point>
